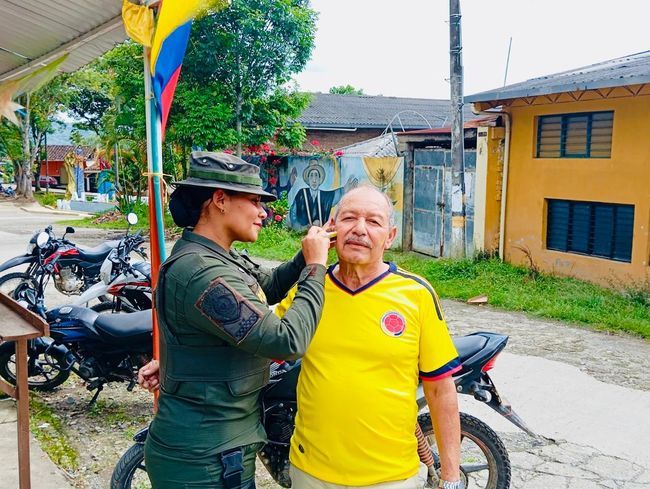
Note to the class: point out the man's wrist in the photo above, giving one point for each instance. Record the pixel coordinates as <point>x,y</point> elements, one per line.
<point>443,484</point>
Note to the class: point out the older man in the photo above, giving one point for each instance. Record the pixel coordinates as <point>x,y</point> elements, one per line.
<point>380,329</point>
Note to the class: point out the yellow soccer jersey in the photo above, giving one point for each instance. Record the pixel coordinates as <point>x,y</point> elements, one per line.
<point>357,388</point>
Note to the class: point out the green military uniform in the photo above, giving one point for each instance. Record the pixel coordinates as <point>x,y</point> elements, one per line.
<point>217,336</point>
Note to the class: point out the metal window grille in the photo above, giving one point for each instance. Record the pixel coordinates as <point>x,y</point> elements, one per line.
<point>590,228</point>
<point>579,135</point>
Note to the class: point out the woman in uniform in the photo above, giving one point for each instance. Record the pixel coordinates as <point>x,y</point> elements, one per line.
<point>217,332</point>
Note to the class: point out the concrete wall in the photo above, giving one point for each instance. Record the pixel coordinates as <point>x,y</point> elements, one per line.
<point>624,178</point>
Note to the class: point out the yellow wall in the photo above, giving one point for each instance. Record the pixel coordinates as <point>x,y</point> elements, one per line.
<point>624,178</point>
<point>487,197</point>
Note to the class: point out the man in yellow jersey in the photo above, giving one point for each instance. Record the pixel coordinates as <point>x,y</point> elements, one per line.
<point>380,330</point>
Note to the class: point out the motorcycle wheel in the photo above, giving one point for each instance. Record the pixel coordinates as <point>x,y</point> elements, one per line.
<point>484,461</point>
<point>130,471</point>
<point>15,284</point>
<point>42,374</point>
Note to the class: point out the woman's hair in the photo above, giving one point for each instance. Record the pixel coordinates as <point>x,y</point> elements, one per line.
<point>186,203</point>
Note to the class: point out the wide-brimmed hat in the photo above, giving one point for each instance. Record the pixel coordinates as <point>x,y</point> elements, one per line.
<point>226,171</point>
<point>314,165</point>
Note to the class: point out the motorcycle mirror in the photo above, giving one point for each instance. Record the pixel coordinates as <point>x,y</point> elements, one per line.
<point>131,218</point>
<point>42,239</point>
<point>69,229</point>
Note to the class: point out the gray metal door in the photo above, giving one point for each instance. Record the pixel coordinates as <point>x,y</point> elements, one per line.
<point>429,202</point>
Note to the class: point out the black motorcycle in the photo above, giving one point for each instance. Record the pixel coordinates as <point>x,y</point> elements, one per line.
<point>77,267</point>
<point>484,458</point>
<point>99,348</point>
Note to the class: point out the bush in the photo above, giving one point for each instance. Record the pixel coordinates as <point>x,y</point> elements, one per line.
<point>48,199</point>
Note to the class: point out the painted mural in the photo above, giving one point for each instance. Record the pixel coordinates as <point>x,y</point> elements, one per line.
<point>314,185</point>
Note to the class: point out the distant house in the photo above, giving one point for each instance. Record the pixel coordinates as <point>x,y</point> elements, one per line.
<point>573,165</point>
<point>55,155</point>
<point>335,121</point>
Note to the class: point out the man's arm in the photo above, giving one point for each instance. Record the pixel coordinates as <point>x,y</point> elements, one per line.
<point>443,404</point>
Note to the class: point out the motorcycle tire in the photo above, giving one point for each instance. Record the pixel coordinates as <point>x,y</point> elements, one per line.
<point>484,459</point>
<point>22,282</point>
<point>42,376</point>
<point>130,471</point>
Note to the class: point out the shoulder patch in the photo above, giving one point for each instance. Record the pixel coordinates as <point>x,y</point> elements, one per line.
<point>228,310</point>
<point>426,285</point>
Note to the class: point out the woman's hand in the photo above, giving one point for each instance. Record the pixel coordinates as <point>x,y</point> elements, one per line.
<point>315,246</point>
<point>149,376</point>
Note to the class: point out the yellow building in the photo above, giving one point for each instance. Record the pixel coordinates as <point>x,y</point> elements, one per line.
<point>565,180</point>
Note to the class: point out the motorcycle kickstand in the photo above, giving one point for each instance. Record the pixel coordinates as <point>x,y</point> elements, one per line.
<point>92,402</point>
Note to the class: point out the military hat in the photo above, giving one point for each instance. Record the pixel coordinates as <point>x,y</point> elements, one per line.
<point>226,171</point>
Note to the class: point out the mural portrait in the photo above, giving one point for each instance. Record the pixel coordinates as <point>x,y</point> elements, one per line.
<point>311,202</point>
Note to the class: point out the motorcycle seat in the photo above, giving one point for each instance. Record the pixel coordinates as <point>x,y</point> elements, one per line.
<point>97,253</point>
<point>116,327</point>
<point>468,346</point>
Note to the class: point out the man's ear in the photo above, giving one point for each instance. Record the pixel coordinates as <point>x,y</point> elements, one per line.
<point>330,224</point>
<point>391,237</point>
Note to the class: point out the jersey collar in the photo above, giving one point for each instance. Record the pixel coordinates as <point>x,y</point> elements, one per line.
<point>330,271</point>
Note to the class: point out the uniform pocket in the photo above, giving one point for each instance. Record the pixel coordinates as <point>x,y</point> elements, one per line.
<point>249,384</point>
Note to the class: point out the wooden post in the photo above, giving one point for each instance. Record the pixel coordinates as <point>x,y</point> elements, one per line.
<point>407,204</point>
<point>19,325</point>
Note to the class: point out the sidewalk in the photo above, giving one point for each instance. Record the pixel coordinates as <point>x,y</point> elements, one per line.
<point>45,475</point>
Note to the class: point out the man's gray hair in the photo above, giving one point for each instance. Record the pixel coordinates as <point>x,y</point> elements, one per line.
<point>391,207</point>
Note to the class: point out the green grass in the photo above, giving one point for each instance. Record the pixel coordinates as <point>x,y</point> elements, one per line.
<point>48,429</point>
<point>48,199</point>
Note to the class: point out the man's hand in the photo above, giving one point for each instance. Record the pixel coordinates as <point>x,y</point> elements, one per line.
<point>149,376</point>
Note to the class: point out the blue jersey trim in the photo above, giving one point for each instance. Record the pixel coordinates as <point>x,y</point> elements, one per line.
<point>450,368</point>
<point>392,268</point>
<point>426,285</point>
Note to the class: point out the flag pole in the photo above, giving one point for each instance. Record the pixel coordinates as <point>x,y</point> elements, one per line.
<point>154,165</point>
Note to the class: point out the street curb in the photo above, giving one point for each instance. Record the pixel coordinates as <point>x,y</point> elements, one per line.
<point>44,210</point>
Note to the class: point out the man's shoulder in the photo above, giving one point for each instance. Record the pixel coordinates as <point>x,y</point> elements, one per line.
<point>422,286</point>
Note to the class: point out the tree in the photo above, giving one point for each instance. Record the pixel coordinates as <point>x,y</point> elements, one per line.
<point>36,119</point>
<point>346,90</point>
<point>250,50</point>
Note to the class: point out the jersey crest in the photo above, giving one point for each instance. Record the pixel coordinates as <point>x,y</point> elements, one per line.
<point>393,324</point>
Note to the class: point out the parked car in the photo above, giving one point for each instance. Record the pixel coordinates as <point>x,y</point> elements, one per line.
<point>44,181</point>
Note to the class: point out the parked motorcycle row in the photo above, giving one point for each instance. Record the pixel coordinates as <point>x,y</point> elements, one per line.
<point>110,340</point>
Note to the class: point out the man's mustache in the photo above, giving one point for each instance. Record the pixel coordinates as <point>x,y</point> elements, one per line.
<point>359,241</point>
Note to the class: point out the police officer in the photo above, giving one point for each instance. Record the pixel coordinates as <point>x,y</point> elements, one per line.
<point>217,332</point>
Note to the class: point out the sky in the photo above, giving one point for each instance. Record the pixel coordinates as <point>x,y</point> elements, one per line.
<point>401,48</point>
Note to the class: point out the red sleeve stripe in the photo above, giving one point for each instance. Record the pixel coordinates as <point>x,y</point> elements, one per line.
<point>444,371</point>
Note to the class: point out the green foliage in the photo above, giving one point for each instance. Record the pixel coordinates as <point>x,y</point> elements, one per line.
<point>46,198</point>
<point>280,210</point>
<point>346,90</point>
<point>251,49</point>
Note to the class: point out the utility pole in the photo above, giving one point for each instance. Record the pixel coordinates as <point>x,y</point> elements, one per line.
<point>458,238</point>
<point>47,168</point>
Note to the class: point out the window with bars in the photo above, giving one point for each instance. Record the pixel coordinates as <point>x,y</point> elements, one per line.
<point>583,135</point>
<point>590,228</point>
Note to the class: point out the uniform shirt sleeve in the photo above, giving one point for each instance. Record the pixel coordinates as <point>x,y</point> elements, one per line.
<point>285,304</point>
<point>275,282</point>
<point>218,302</point>
<point>438,356</point>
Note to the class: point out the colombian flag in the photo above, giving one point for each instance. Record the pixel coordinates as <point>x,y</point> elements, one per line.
<point>170,38</point>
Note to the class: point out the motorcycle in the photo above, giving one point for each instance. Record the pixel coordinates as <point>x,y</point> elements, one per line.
<point>484,458</point>
<point>99,348</point>
<point>128,283</point>
<point>76,268</point>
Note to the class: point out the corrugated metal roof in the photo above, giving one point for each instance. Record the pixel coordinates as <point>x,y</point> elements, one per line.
<point>628,70</point>
<point>34,32</point>
<point>365,111</point>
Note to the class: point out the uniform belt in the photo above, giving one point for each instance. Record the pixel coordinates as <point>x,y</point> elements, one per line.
<point>187,363</point>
